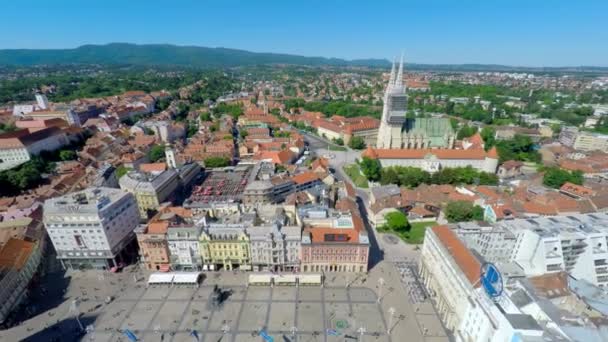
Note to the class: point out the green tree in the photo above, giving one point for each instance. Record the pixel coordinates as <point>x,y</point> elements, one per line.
<point>519,148</point>
<point>356,143</point>
<point>555,177</point>
<point>466,131</point>
<point>243,133</point>
<point>397,221</point>
<point>217,162</point>
<point>339,141</point>
<point>205,116</point>
<point>156,153</point>
<point>370,168</point>
<point>462,211</point>
<point>67,155</point>
<point>488,134</point>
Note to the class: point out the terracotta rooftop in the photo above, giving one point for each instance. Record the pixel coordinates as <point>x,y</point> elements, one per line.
<point>576,190</point>
<point>15,253</point>
<point>463,257</point>
<point>152,167</point>
<point>551,285</point>
<point>305,177</point>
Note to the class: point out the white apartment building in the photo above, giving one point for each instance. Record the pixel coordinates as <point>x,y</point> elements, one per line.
<point>451,274</point>
<point>19,146</point>
<point>275,247</point>
<point>577,244</point>
<point>183,242</point>
<point>91,228</point>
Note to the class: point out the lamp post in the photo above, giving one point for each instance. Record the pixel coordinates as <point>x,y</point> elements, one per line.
<point>294,331</point>
<point>74,310</point>
<point>391,312</point>
<point>380,284</point>
<point>361,331</point>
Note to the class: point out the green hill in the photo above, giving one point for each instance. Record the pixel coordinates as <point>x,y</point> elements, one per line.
<point>164,54</point>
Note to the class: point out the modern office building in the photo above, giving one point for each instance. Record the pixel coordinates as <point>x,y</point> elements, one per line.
<point>92,228</point>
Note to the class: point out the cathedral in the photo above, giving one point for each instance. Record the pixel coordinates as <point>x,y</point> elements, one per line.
<point>426,143</point>
<point>397,131</point>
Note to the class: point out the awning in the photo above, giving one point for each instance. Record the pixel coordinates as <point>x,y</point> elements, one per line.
<point>160,278</point>
<point>186,278</point>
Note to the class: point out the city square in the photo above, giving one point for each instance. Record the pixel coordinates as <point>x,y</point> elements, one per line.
<point>346,307</point>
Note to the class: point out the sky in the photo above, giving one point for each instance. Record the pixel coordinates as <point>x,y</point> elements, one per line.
<point>510,32</point>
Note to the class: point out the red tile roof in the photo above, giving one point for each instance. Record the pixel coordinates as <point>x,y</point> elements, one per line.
<point>463,257</point>
<point>305,177</point>
<point>15,253</point>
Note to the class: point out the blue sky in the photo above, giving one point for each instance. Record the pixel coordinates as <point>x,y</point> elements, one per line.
<point>513,32</point>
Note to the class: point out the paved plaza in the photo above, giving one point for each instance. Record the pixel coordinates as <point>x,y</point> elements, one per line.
<point>347,303</point>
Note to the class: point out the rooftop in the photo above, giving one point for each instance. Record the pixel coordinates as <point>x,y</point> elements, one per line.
<point>463,257</point>
<point>90,200</point>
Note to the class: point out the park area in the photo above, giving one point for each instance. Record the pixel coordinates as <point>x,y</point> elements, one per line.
<point>410,232</point>
<point>354,173</point>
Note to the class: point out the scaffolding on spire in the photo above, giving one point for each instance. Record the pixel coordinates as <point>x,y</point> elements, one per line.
<point>399,81</point>
<point>391,81</point>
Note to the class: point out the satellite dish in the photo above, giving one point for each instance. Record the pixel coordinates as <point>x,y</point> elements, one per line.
<point>491,280</point>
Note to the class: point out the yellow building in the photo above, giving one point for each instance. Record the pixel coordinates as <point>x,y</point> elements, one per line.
<point>150,190</point>
<point>225,246</point>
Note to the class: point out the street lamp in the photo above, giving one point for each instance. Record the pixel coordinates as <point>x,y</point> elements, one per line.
<point>380,284</point>
<point>74,310</point>
<point>361,331</point>
<point>391,312</point>
<point>294,331</point>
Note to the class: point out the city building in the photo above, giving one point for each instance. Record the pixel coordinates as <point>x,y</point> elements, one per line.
<point>19,146</point>
<point>433,160</point>
<point>574,243</point>
<point>583,140</point>
<point>332,240</point>
<point>152,240</point>
<point>225,245</point>
<point>19,263</point>
<point>183,232</point>
<point>451,273</point>
<point>150,190</point>
<point>92,228</point>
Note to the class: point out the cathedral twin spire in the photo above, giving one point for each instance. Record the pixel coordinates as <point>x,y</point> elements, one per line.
<point>396,78</point>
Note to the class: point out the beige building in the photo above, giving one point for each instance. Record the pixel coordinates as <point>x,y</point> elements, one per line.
<point>587,141</point>
<point>150,190</point>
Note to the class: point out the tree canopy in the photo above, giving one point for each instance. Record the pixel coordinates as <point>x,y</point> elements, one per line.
<point>370,168</point>
<point>356,143</point>
<point>156,153</point>
<point>462,211</point>
<point>397,221</point>
<point>217,162</point>
<point>555,177</point>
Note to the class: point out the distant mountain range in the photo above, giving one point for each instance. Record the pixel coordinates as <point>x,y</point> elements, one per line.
<point>204,57</point>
